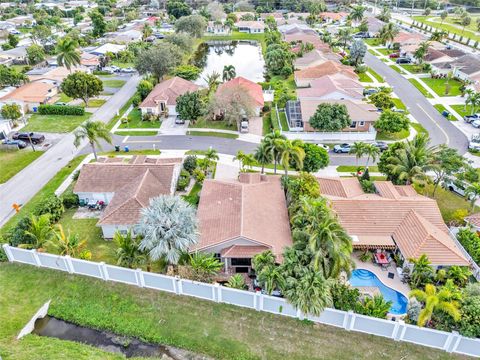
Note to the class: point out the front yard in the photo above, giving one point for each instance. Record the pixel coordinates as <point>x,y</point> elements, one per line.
<point>13,161</point>
<point>55,123</point>
<point>439,86</point>
<point>421,88</point>
<point>135,121</point>
<point>203,123</point>
<point>218,330</point>
<point>113,83</point>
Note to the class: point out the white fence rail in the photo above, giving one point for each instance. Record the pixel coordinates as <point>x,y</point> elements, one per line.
<point>398,331</point>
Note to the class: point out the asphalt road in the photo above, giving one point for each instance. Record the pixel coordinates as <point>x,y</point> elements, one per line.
<point>23,186</point>
<point>440,129</point>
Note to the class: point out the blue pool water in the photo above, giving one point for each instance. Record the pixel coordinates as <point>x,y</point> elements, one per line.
<point>361,277</point>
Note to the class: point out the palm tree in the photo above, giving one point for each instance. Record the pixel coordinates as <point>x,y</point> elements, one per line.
<point>421,51</point>
<point>271,277</point>
<point>344,35</point>
<point>40,231</point>
<point>357,13</point>
<point>273,142</point>
<point>438,35</point>
<point>459,275</point>
<point>67,244</point>
<point>435,300</point>
<point>169,228</point>
<point>211,154</point>
<point>236,281</point>
<point>68,54</point>
<point>93,131</point>
<point>473,193</point>
<point>377,307</point>
<point>358,148</point>
<point>128,253</point>
<point>204,266</point>
<point>239,157</point>
<point>372,152</point>
<point>422,271</point>
<point>229,73</point>
<point>291,150</point>
<point>262,155</point>
<point>474,100</point>
<point>212,81</point>
<point>263,260</point>
<point>443,16</point>
<point>387,33</point>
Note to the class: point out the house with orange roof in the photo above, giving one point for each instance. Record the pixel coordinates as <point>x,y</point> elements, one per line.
<point>31,95</point>
<point>304,77</point>
<point>253,89</point>
<point>394,217</point>
<point>162,100</point>
<point>332,17</point>
<point>314,58</point>
<point>125,188</point>
<point>332,87</point>
<point>242,218</point>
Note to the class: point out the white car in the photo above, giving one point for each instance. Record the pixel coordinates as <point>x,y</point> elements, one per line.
<point>14,32</point>
<point>325,147</point>
<point>128,70</point>
<point>476,123</point>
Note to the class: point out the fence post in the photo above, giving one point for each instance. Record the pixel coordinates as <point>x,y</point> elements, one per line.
<point>452,341</point>
<point>139,277</point>
<point>9,254</point>
<point>69,264</point>
<point>215,292</point>
<point>103,270</point>
<point>260,302</point>
<point>179,286</point>
<point>349,320</point>
<point>35,257</point>
<point>219,293</point>
<point>397,331</point>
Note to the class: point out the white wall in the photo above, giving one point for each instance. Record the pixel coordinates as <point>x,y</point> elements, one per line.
<point>337,136</point>
<point>109,230</point>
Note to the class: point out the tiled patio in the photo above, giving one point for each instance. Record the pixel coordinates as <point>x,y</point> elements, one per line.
<point>86,213</point>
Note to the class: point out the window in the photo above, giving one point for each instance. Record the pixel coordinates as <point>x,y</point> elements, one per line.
<point>241,262</point>
<point>362,123</point>
<point>353,125</point>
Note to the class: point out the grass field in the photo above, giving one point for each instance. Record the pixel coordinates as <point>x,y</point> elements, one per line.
<point>123,65</point>
<point>135,121</point>
<point>399,104</point>
<point>64,98</point>
<point>386,51</point>
<point>413,68</point>
<point>440,108</point>
<point>393,136</point>
<point>449,27</point>
<point>131,152</point>
<point>95,103</point>
<point>122,111</point>
<point>460,110</point>
<point>203,123</point>
<point>13,161</point>
<point>212,133</point>
<point>439,86</point>
<point>375,75</point>
<point>397,69</point>
<point>363,77</point>
<point>372,42</point>
<point>113,83</point>
<point>421,88</point>
<point>136,133</point>
<point>353,168</point>
<point>54,123</point>
<point>217,330</point>
<point>419,128</point>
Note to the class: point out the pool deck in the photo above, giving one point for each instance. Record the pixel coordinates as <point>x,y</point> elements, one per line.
<point>394,283</point>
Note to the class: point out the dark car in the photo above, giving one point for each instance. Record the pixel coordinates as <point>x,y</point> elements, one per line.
<point>20,144</point>
<point>381,145</point>
<point>342,148</point>
<point>179,121</point>
<point>370,91</point>
<point>403,61</point>
<point>159,35</point>
<point>34,138</point>
<point>361,35</point>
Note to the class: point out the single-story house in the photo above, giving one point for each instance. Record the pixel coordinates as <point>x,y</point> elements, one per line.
<point>89,60</point>
<point>16,55</point>
<point>30,95</point>
<point>374,25</point>
<point>395,217</point>
<point>293,28</point>
<point>332,87</point>
<point>304,77</point>
<point>474,221</point>
<point>23,21</point>
<point>242,218</point>
<point>311,59</point>
<point>466,67</point>
<point>298,36</point>
<point>404,38</point>
<point>276,15</point>
<point>162,100</point>
<point>124,37</point>
<point>300,111</point>
<point>218,28</point>
<point>125,188</point>
<point>54,74</point>
<point>252,27</point>
<point>331,17</point>
<point>108,48</point>
<point>5,128</point>
<point>250,87</point>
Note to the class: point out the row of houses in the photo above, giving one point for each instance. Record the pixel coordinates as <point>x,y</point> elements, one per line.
<point>244,217</point>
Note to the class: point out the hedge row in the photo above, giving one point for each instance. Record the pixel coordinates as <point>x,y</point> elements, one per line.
<point>60,110</point>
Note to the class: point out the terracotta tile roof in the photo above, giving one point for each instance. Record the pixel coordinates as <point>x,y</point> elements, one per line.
<point>406,38</point>
<point>348,187</point>
<point>380,241</point>
<point>327,68</point>
<point>358,111</point>
<point>473,219</point>
<point>58,73</point>
<point>251,213</point>
<point>167,91</point>
<point>298,35</point>
<point>253,89</point>
<point>242,251</point>
<point>34,92</point>
<point>328,84</point>
<point>314,58</point>
<point>250,24</point>
<point>335,16</point>
<point>386,189</point>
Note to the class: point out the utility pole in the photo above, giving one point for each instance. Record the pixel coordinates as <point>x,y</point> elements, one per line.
<point>413,4</point>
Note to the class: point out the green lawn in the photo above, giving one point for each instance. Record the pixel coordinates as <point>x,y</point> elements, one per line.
<point>413,68</point>
<point>95,103</point>
<point>460,110</point>
<point>440,85</point>
<point>399,104</point>
<point>397,69</point>
<point>13,161</point>
<point>55,123</point>
<point>135,121</point>
<point>235,35</point>
<point>217,330</point>
<point>363,77</point>
<point>64,98</point>
<point>101,249</point>
<point>267,123</point>
<point>421,88</point>
<point>193,196</point>
<point>419,128</point>
<point>440,108</point>
<point>131,152</point>
<point>122,111</point>
<point>203,123</point>
<point>393,136</point>
<point>47,191</point>
<point>283,120</point>
<point>386,51</point>
<point>123,65</point>
<point>449,27</point>
<point>113,83</point>
<point>372,42</point>
<point>136,133</point>
<point>212,133</point>
<point>353,168</point>
<point>375,75</point>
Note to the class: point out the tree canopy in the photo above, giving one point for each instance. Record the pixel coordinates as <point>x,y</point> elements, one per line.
<point>392,122</point>
<point>159,60</point>
<point>81,85</point>
<point>194,25</point>
<point>330,117</point>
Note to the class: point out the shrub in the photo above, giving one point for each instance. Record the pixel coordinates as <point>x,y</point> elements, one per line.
<point>60,110</point>
<point>190,163</point>
<point>367,186</point>
<point>3,256</point>
<point>360,69</point>
<point>70,200</point>
<point>183,180</point>
<point>17,234</point>
<point>199,175</point>
<point>344,297</point>
<point>53,206</point>
<point>136,100</point>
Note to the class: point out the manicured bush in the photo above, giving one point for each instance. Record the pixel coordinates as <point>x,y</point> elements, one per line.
<point>183,180</point>
<point>70,200</point>
<point>17,235</point>
<point>100,72</point>
<point>61,110</point>
<point>53,206</point>
<point>190,163</point>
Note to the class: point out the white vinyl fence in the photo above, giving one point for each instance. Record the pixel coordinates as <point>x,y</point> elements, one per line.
<point>396,330</point>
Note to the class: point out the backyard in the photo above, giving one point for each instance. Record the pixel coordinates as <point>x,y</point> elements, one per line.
<point>13,161</point>
<point>219,330</point>
<point>55,123</point>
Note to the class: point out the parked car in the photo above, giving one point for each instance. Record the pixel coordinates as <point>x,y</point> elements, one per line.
<point>470,118</point>
<point>108,69</point>
<point>244,125</point>
<point>369,91</point>
<point>476,123</point>
<point>394,55</point>
<point>60,104</point>
<point>361,35</point>
<point>325,147</point>
<point>128,70</point>
<point>456,186</point>
<point>342,148</point>
<point>474,143</point>
<point>20,144</point>
<point>179,121</point>
<point>159,35</point>
<point>14,32</point>
<point>34,138</point>
<point>381,145</point>
<point>403,60</point>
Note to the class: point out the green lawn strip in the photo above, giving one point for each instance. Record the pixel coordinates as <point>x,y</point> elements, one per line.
<point>115,83</point>
<point>421,88</point>
<point>376,75</point>
<point>13,161</point>
<point>135,121</point>
<point>397,69</point>
<point>419,128</point>
<point>373,52</point>
<point>55,123</point>
<point>212,133</point>
<point>440,108</point>
<point>460,110</point>
<point>386,51</point>
<point>123,65</point>
<point>131,152</point>
<point>372,42</point>
<point>267,123</point>
<point>439,86</point>
<point>283,121</point>
<point>136,133</point>
<point>399,104</point>
<point>47,191</point>
<point>122,111</point>
<point>393,136</point>
<point>194,195</point>
<point>64,98</point>
<point>218,330</point>
<point>363,77</point>
<point>447,201</point>
<point>413,68</point>
<point>203,123</point>
<point>95,103</point>
<point>353,168</point>
<point>236,35</point>
<point>448,28</point>
<point>274,119</point>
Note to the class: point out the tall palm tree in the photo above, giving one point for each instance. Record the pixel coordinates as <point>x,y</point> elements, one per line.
<point>93,131</point>
<point>358,148</point>
<point>228,73</point>
<point>372,152</point>
<point>128,253</point>
<point>421,51</point>
<point>263,156</point>
<point>473,99</point>
<point>239,157</point>
<point>67,244</point>
<point>271,277</point>
<point>291,150</point>
<point>435,300</point>
<point>472,193</point>
<point>422,271</point>
<point>212,81</point>
<point>387,33</point>
<point>273,142</point>
<point>40,231</point>
<point>344,36</point>
<point>68,53</point>
<point>357,13</point>
<point>211,154</point>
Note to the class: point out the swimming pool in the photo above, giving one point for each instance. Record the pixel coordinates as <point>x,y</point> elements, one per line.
<point>362,277</point>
